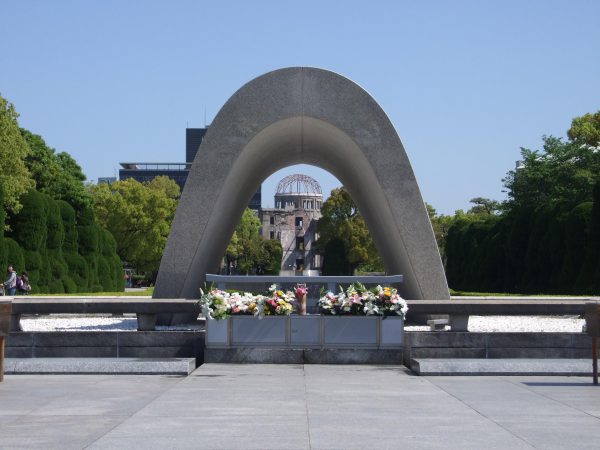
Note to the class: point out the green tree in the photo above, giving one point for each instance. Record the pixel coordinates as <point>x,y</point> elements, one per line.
<point>586,129</point>
<point>248,252</point>
<point>564,173</point>
<point>342,221</point>
<point>56,174</point>
<point>14,176</point>
<point>484,206</point>
<point>166,186</point>
<point>233,251</point>
<point>335,261</point>
<point>440,224</point>
<point>271,253</point>
<point>249,242</point>
<point>139,217</point>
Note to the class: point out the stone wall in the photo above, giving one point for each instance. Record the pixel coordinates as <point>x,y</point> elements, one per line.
<point>163,344</point>
<point>106,344</point>
<point>495,345</point>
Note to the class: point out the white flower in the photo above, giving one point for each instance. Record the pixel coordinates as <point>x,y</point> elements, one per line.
<point>370,309</point>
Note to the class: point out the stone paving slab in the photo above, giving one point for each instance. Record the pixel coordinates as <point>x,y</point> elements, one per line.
<point>114,366</point>
<point>501,366</point>
<point>246,406</point>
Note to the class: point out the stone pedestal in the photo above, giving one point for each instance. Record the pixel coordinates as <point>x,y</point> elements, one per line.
<point>306,332</point>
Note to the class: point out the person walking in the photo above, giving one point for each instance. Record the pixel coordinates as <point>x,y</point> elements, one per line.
<point>25,286</point>
<point>10,285</point>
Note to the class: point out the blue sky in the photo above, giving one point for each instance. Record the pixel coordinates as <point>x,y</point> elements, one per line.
<point>465,83</point>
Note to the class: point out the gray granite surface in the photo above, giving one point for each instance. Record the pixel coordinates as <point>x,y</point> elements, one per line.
<point>303,356</point>
<point>301,115</point>
<point>501,366</point>
<point>229,406</point>
<point>114,366</point>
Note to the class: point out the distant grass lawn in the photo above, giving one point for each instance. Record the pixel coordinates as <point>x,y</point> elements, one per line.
<point>145,292</point>
<point>504,294</point>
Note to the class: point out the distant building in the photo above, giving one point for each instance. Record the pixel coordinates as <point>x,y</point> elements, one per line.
<point>193,139</point>
<point>293,222</point>
<point>143,172</point>
<point>177,171</point>
<point>107,180</point>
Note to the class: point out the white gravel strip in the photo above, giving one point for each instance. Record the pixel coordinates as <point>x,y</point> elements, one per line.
<point>515,324</point>
<point>73,322</point>
<point>63,322</point>
<point>537,324</point>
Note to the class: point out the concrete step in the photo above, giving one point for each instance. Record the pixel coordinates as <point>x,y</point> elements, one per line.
<point>114,366</point>
<point>515,366</point>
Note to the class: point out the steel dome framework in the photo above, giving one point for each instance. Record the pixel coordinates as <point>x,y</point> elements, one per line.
<point>298,184</point>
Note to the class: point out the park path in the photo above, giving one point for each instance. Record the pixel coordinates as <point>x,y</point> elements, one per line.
<point>230,406</point>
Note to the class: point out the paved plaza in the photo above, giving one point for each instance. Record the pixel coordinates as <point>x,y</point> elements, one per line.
<point>294,406</point>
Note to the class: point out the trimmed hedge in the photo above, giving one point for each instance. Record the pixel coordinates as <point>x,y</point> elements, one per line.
<point>67,213</point>
<point>62,251</point>
<point>29,227</point>
<point>548,250</point>
<point>14,254</point>
<point>78,271</point>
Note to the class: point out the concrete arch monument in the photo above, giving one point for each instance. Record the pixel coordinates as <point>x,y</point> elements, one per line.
<point>292,116</point>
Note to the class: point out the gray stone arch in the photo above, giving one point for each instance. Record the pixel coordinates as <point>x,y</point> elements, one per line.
<point>292,116</point>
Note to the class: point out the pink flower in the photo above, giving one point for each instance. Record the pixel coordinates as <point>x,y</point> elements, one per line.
<point>300,291</point>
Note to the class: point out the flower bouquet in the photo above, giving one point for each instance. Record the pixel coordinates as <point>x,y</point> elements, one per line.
<point>277,303</point>
<point>218,304</point>
<point>357,300</point>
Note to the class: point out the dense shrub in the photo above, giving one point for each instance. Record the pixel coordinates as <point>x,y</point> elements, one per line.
<point>105,278</point>
<point>33,263</point>
<point>93,280</point>
<point>45,273</point>
<point>551,249</point>
<point>576,236</point>
<point>87,231</point>
<point>14,255</point>
<point>69,285</point>
<point>78,271</point>
<point>588,280</point>
<point>3,253</point>
<point>55,228</point>
<point>58,266</point>
<point>56,287</point>
<point>29,227</point>
<point>67,213</point>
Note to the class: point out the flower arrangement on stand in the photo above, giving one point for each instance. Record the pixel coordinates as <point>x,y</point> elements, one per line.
<point>218,304</point>
<point>357,300</point>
